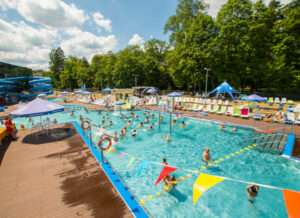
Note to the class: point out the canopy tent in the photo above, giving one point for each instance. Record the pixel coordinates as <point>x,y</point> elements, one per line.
<point>37,107</point>
<point>224,87</point>
<point>86,93</point>
<point>151,90</point>
<point>174,94</point>
<point>255,98</point>
<point>78,92</point>
<point>106,90</point>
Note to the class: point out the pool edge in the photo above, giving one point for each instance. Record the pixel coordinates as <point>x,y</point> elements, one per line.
<point>136,209</point>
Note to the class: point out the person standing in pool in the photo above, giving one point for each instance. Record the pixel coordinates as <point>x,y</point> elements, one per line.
<point>174,122</point>
<point>222,126</point>
<point>182,124</point>
<point>164,162</point>
<point>252,192</point>
<point>115,136</point>
<point>206,156</point>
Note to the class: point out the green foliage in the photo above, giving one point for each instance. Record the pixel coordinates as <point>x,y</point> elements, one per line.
<point>251,45</point>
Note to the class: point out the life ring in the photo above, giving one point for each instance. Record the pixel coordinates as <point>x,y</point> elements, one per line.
<point>264,131</point>
<point>102,139</point>
<point>82,124</point>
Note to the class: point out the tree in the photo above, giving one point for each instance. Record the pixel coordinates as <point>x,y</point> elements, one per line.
<point>68,77</point>
<point>56,64</point>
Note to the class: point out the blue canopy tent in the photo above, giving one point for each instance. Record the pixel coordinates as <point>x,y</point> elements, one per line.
<point>224,87</point>
<point>255,98</point>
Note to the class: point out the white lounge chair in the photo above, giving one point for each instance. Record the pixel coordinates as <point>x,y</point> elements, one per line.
<point>229,112</point>
<point>283,101</point>
<point>213,102</point>
<point>199,108</point>
<point>208,108</point>
<point>277,100</point>
<point>297,121</point>
<point>290,118</point>
<point>220,102</point>
<point>226,102</point>
<point>257,115</point>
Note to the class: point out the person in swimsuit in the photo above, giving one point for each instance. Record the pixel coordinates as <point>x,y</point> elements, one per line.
<point>171,183</point>
<point>168,138</point>
<point>252,192</point>
<point>72,113</point>
<point>9,126</point>
<point>115,136</point>
<point>182,124</point>
<point>80,117</point>
<point>222,126</point>
<point>161,118</point>
<point>206,156</point>
<point>174,122</point>
<point>234,129</point>
<point>147,120</point>
<point>134,133</point>
<point>140,125</point>
<point>164,162</point>
<point>110,123</point>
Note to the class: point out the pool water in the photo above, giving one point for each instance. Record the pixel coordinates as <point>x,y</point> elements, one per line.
<point>57,99</point>
<point>227,198</point>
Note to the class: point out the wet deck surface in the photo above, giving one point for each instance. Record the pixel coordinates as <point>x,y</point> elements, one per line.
<point>58,179</point>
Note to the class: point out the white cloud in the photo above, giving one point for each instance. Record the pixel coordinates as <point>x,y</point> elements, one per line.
<point>54,13</point>
<point>100,21</point>
<point>136,40</point>
<point>215,5</point>
<point>22,44</point>
<point>87,44</point>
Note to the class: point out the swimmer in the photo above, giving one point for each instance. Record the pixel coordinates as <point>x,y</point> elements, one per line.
<point>164,162</point>
<point>99,111</point>
<point>150,128</point>
<point>72,113</point>
<point>176,118</point>
<point>107,116</point>
<point>168,138</point>
<point>126,118</point>
<point>171,183</point>
<point>110,123</point>
<point>148,114</point>
<point>115,136</point>
<point>140,125</point>
<point>234,129</point>
<point>80,117</point>
<point>54,121</point>
<point>103,120</point>
<point>182,124</point>
<point>124,131</point>
<point>128,124</point>
<point>147,120</point>
<point>152,116</point>
<point>137,118</point>
<point>121,116</point>
<point>174,122</point>
<point>134,133</point>
<point>86,110</point>
<point>145,113</point>
<point>121,133</point>
<point>252,192</point>
<point>161,118</point>
<point>206,156</point>
<point>222,126</point>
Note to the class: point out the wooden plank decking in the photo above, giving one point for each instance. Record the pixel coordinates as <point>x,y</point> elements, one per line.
<point>60,179</point>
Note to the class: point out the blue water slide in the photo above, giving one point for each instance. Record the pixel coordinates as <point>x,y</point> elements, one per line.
<point>41,87</point>
<point>40,80</point>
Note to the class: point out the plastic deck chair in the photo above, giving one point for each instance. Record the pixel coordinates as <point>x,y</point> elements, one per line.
<point>229,112</point>
<point>222,110</point>
<point>270,100</point>
<point>245,113</point>
<point>277,100</point>
<point>257,115</point>
<point>290,118</point>
<point>236,112</point>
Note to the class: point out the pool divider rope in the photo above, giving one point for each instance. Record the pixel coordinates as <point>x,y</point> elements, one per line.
<point>203,182</point>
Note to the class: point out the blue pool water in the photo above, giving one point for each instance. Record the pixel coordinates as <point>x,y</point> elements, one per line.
<point>226,199</point>
<point>57,99</point>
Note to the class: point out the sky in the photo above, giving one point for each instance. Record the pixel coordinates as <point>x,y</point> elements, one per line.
<point>29,29</point>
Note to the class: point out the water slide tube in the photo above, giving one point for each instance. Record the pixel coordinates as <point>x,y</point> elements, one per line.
<point>39,85</point>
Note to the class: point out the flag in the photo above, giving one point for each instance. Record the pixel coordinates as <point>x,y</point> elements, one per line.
<point>130,162</point>
<point>203,183</point>
<point>108,151</point>
<point>122,155</point>
<point>145,163</point>
<point>292,202</point>
<point>166,171</point>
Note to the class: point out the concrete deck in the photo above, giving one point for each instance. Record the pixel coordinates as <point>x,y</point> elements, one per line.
<point>60,179</point>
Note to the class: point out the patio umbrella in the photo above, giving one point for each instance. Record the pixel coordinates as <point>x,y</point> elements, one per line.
<point>86,93</point>
<point>37,107</point>
<point>78,91</point>
<point>106,90</point>
<point>65,93</point>
<point>173,95</point>
<point>120,103</point>
<point>255,98</point>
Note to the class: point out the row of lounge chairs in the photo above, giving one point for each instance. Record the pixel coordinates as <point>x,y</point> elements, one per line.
<point>201,101</point>
<point>278,101</point>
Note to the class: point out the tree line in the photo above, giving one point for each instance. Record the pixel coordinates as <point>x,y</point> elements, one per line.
<point>253,46</point>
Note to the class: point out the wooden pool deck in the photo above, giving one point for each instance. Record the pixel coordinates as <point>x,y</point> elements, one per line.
<point>59,179</point>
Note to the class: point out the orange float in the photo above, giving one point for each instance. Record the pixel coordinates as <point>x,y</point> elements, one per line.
<point>264,130</point>
<point>101,140</point>
<point>83,127</point>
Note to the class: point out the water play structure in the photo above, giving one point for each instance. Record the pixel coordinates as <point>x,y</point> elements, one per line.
<point>33,86</point>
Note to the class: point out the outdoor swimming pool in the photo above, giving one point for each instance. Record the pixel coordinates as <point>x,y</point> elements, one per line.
<point>227,198</point>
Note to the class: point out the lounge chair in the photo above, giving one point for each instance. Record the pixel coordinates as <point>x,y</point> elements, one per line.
<point>290,118</point>
<point>222,110</point>
<point>257,115</point>
<point>220,102</point>
<point>275,119</point>
<point>208,108</point>
<point>236,112</point>
<point>277,100</point>
<point>229,112</point>
<point>270,100</point>
<point>226,103</point>
<point>297,121</point>
<point>283,101</point>
<point>245,113</point>
<point>192,108</point>
<point>213,102</point>
<point>215,109</point>
<point>199,108</point>
<point>290,102</point>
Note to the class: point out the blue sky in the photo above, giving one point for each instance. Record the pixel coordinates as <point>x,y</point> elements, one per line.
<point>29,29</point>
